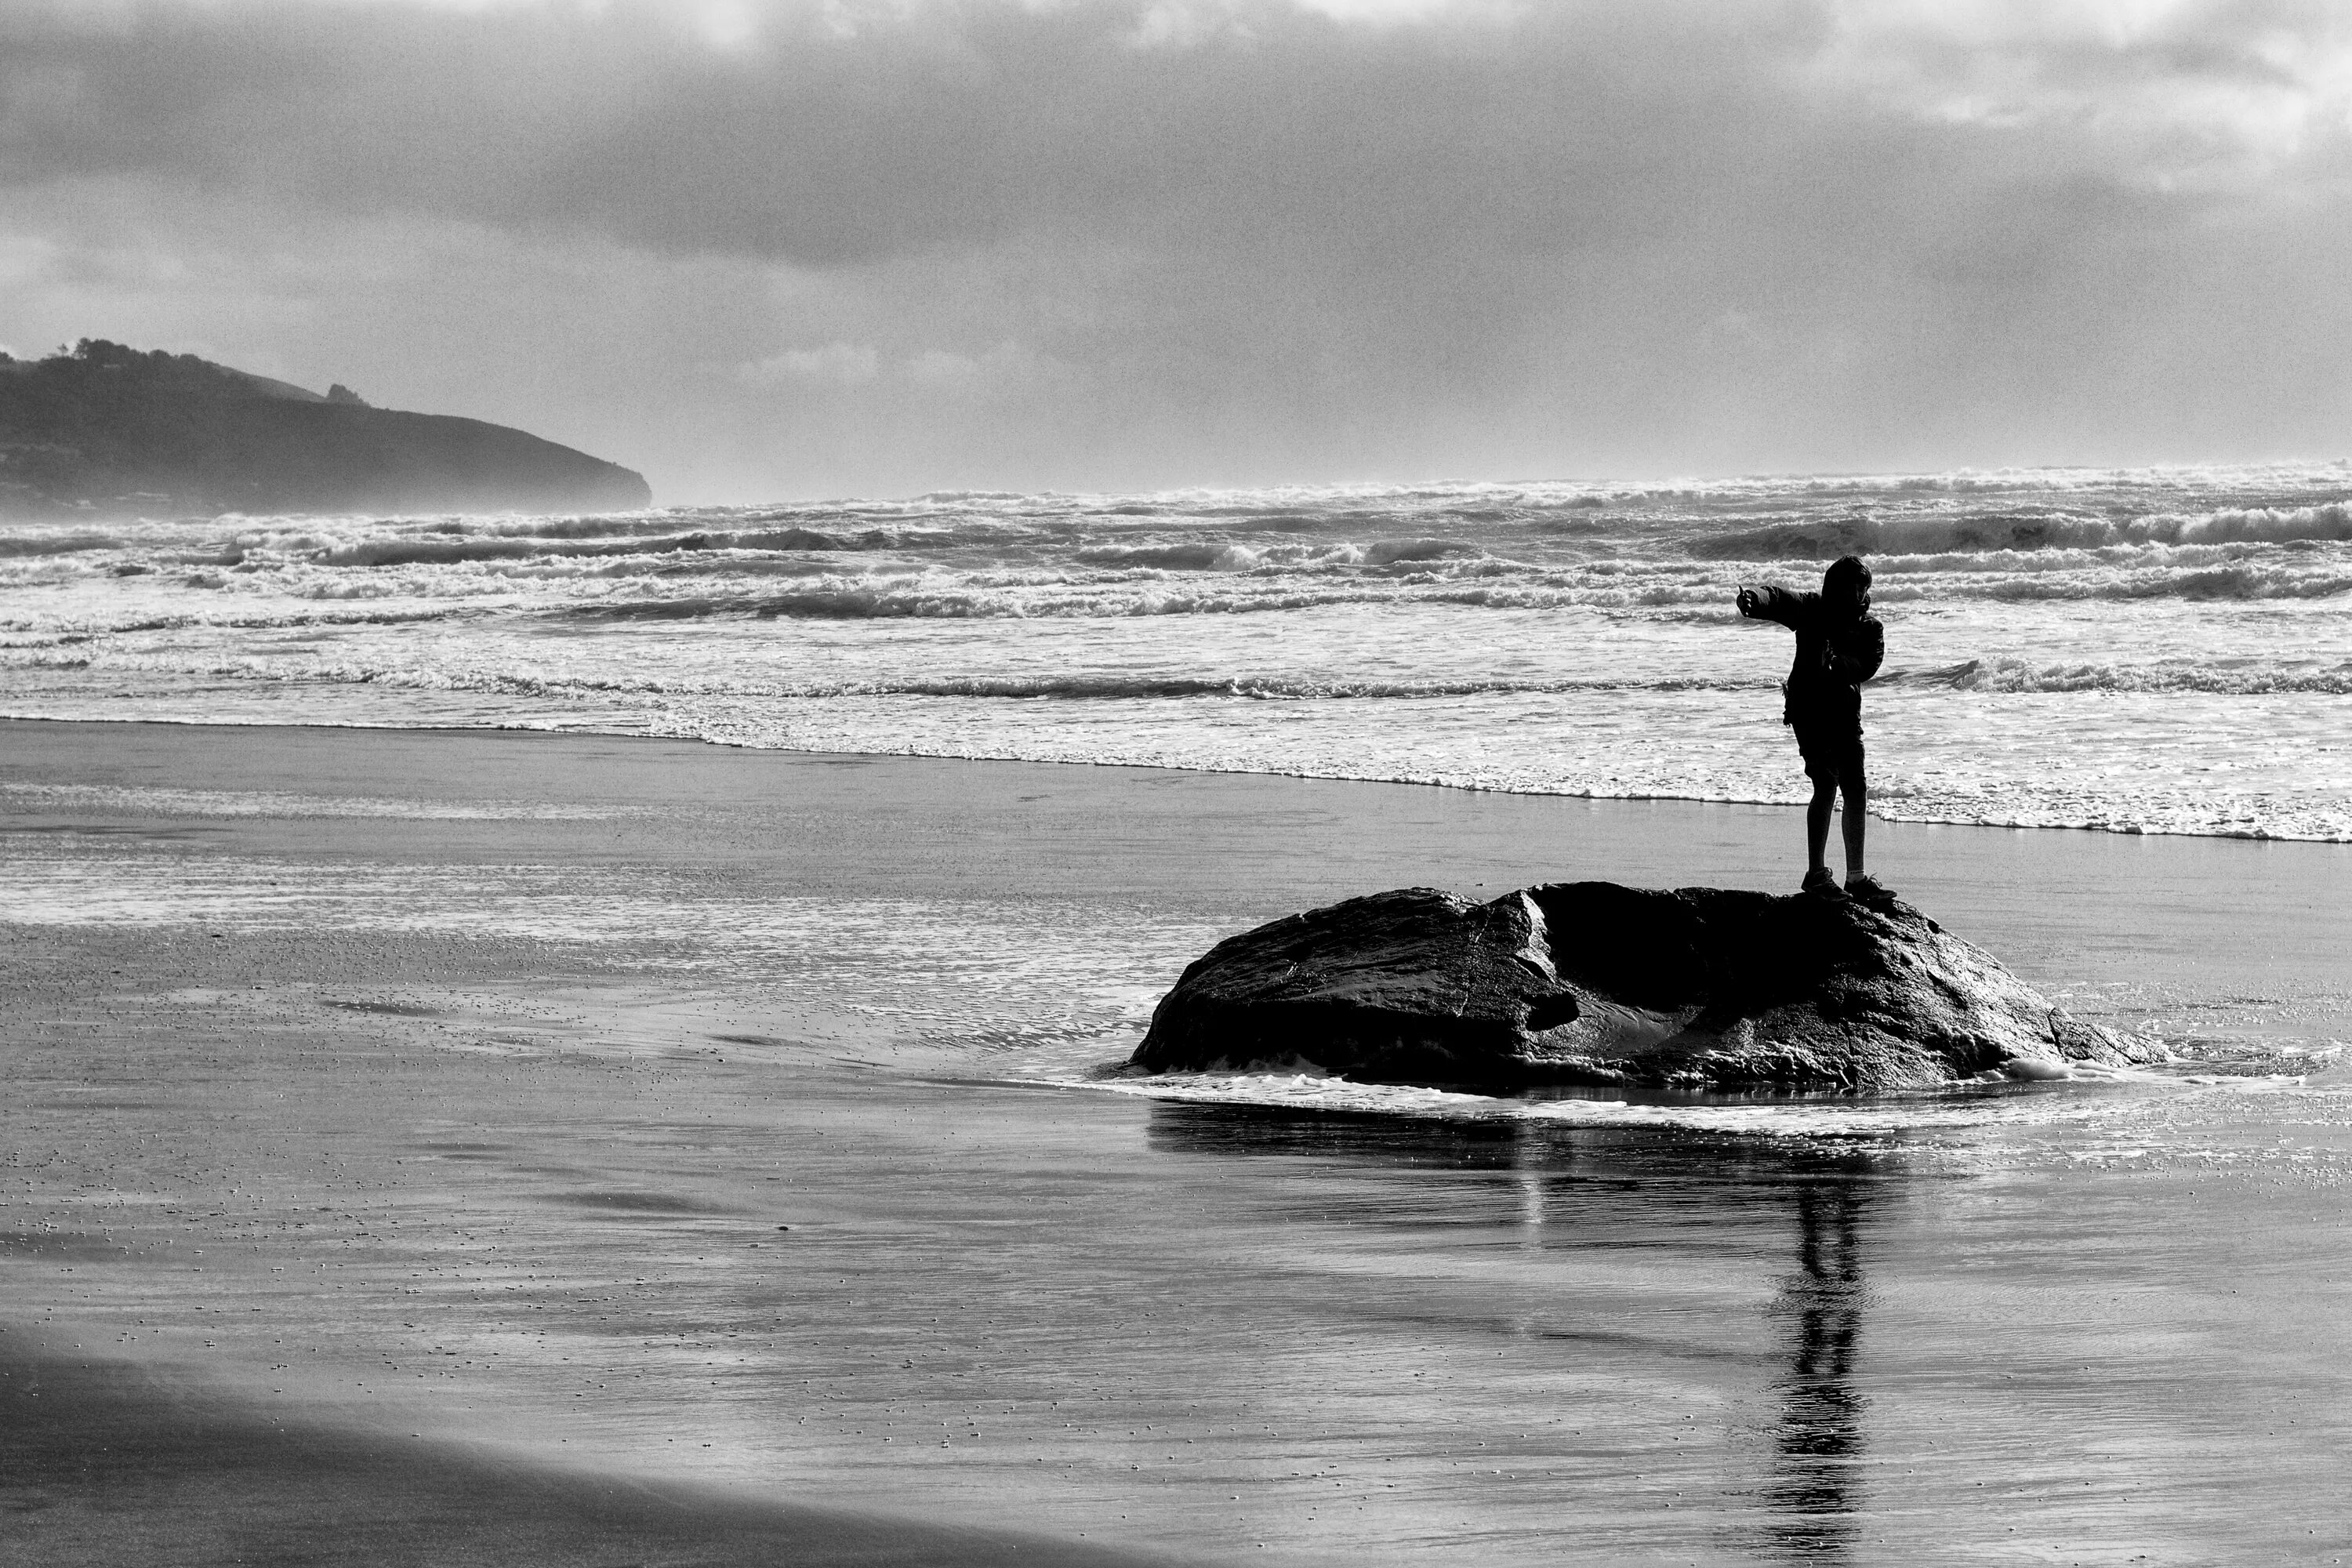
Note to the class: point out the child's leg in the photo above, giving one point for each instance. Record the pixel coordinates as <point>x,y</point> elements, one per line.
<point>1855,819</point>
<point>1817,822</point>
<point>1858,803</point>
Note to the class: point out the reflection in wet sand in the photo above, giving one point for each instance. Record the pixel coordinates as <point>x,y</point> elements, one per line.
<point>1819,1437</point>
<point>1572,1190</point>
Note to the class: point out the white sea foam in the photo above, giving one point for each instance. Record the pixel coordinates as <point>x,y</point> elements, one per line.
<point>1810,1118</point>
<point>2142,650</point>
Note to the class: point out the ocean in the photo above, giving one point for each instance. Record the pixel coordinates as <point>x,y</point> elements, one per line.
<point>2158,651</point>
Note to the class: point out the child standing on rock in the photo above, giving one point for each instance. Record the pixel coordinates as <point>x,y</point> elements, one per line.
<point>1839,646</point>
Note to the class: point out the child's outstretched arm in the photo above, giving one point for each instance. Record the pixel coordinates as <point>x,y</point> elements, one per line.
<point>1768,605</point>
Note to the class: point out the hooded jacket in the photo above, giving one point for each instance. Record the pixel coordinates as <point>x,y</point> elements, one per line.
<point>1835,657</point>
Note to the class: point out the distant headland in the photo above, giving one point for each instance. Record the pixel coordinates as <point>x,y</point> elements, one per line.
<point>112,430</point>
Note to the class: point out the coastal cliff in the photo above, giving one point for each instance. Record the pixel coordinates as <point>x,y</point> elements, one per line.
<point>1590,983</point>
<point>112,430</point>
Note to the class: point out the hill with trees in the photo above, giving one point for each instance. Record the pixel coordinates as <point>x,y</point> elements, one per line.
<point>112,430</point>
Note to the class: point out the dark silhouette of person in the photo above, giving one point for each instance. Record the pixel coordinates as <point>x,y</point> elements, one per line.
<point>1840,644</point>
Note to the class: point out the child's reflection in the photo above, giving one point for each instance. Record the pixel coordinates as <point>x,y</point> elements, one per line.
<point>1818,1437</point>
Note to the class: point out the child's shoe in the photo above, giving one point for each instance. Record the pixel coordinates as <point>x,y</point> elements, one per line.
<point>1820,880</point>
<point>1868,889</point>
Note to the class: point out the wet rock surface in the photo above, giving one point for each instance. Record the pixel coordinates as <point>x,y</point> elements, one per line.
<point>1591,982</point>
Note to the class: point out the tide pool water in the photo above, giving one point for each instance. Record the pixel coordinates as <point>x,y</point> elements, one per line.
<point>2161,650</point>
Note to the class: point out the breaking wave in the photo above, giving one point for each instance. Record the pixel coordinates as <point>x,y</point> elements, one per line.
<point>1990,675</point>
<point>2135,651</point>
<point>1995,675</point>
<point>1822,539</point>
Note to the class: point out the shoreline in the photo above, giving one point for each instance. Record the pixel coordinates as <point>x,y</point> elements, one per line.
<point>2171,913</point>
<point>612,1096</point>
<point>1876,814</point>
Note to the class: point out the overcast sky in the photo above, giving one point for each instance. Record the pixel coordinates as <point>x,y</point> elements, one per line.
<point>771,248</point>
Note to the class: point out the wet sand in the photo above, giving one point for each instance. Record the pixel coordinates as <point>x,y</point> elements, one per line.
<point>106,1465</point>
<point>518,1194</point>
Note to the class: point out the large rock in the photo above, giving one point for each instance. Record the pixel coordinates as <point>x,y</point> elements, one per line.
<point>1589,983</point>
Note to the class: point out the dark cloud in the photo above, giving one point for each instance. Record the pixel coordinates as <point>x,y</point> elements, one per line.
<point>939,126</point>
<point>1263,235</point>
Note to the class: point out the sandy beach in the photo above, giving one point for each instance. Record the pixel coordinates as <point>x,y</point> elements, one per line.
<point>441,1146</point>
<point>925,783</point>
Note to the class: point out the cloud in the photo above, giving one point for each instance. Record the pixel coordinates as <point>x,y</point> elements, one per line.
<point>835,365</point>
<point>2161,92</point>
<point>1005,370</point>
<point>834,135</point>
<point>1125,241</point>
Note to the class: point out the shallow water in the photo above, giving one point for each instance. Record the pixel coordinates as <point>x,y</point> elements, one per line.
<point>344,1079</point>
<point>1241,1332</point>
<point>2149,650</point>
